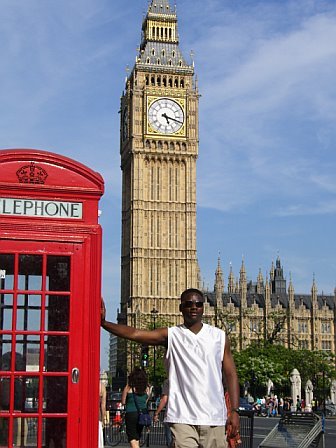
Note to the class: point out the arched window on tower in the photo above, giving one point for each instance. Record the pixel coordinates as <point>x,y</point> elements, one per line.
<point>177,228</point>
<point>170,276</point>
<point>182,183</point>
<point>176,183</point>
<point>151,279</point>
<point>170,182</point>
<point>158,280</point>
<point>152,183</point>
<point>158,184</point>
<point>170,233</point>
<point>152,230</point>
<point>158,232</point>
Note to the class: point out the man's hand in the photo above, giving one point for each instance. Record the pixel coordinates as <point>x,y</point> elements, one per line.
<point>232,427</point>
<point>232,424</point>
<point>102,312</point>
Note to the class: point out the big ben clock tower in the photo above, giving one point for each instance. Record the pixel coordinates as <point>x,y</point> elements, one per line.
<point>159,148</point>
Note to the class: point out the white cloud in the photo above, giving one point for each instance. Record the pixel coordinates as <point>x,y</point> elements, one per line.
<point>322,208</point>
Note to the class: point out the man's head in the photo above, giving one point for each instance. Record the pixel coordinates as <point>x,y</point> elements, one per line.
<point>191,306</point>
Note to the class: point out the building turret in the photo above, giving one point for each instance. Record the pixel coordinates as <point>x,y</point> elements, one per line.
<point>278,283</point>
<point>267,291</point>
<point>260,283</point>
<point>243,286</point>
<point>231,281</point>
<point>290,292</point>
<point>314,295</point>
<point>219,283</point>
<point>272,272</point>
<point>199,276</point>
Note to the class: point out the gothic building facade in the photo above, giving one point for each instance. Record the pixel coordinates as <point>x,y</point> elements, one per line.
<point>269,310</point>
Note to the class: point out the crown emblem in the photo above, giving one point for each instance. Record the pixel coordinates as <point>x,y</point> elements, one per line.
<point>31,174</point>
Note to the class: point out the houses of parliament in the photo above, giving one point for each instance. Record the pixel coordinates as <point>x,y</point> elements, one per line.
<point>159,146</point>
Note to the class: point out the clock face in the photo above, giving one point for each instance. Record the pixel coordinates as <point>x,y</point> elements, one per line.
<point>165,116</point>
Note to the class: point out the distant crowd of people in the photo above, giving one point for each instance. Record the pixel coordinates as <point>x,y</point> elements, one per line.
<point>272,406</point>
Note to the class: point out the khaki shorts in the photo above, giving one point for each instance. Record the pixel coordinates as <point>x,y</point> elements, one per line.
<point>191,436</point>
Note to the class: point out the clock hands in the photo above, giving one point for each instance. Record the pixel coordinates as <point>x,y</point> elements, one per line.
<point>166,117</point>
<point>170,118</point>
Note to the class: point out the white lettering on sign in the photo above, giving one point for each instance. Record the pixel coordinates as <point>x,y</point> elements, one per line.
<point>39,208</point>
<point>2,273</point>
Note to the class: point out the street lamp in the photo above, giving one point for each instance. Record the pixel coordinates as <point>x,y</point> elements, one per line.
<point>154,313</point>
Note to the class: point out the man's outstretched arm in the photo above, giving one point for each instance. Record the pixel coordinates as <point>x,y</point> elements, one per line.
<point>150,337</point>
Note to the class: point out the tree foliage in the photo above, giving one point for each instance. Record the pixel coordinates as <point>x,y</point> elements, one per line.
<point>259,363</point>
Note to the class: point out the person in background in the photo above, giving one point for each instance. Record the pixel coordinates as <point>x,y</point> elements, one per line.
<point>137,385</point>
<point>199,361</point>
<point>102,411</point>
<point>162,404</point>
<point>298,404</point>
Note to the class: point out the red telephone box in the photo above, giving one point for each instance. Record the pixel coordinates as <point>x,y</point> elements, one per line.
<point>50,283</point>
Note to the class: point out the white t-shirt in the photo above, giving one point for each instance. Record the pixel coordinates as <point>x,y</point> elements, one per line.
<point>194,363</point>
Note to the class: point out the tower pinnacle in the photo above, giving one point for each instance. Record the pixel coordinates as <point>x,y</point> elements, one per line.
<point>159,48</point>
<point>161,7</point>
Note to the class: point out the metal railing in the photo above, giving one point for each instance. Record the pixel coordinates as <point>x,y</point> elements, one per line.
<point>156,434</point>
<point>296,430</point>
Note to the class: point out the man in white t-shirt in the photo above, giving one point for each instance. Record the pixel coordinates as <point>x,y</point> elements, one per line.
<point>199,362</point>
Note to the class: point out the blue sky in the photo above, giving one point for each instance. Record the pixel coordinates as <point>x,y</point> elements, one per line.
<point>266,72</point>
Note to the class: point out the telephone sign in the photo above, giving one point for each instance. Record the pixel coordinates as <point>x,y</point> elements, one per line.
<point>38,208</point>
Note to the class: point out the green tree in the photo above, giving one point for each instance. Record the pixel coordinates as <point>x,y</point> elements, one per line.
<point>276,362</point>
